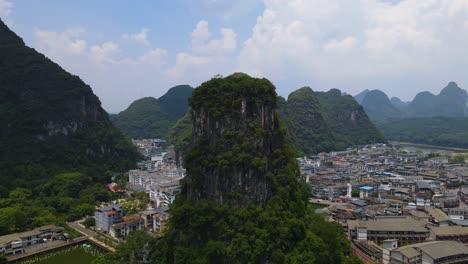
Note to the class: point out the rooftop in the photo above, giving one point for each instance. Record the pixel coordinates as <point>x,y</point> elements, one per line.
<point>438,214</point>
<point>450,231</point>
<point>435,249</point>
<point>390,224</point>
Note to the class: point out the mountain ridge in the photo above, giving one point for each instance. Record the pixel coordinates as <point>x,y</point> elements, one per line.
<point>149,117</point>
<point>52,120</point>
<point>452,101</point>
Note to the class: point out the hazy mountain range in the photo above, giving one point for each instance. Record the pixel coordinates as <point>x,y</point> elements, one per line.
<point>450,102</point>
<point>428,119</point>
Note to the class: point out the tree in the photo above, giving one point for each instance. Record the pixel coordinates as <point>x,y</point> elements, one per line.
<point>3,259</point>
<point>12,219</point>
<point>135,250</point>
<point>458,159</point>
<point>89,222</point>
<point>355,193</point>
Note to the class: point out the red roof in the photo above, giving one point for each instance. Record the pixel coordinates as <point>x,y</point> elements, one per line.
<point>111,212</point>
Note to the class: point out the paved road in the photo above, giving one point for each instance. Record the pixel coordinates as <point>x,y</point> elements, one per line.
<point>89,234</point>
<point>81,229</point>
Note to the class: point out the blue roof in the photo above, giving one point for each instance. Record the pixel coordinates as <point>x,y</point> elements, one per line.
<point>366,188</point>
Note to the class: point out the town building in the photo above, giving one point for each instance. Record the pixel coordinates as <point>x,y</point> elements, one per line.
<point>404,229</point>
<point>432,252</point>
<point>107,216</point>
<point>18,243</point>
<point>127,225</point>
<point>455,233</point>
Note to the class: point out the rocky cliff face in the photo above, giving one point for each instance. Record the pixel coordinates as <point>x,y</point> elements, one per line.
<point>235,133</point>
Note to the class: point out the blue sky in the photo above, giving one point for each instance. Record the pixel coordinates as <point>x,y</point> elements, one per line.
<point>129,49</point>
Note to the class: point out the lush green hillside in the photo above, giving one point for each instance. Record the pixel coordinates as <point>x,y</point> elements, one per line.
<point>347,120</point>
<point>303,116</point>
<point>57,145</point>
<point>153,118</point>
<point>378,106</point>
<point>241,200</point>
<point>51,120</point>
<point>441,131</point>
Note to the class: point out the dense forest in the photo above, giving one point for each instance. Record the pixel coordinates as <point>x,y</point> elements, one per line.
<point>152,118</point>
<point>440,131</point>
<point>56,143</point>
<point>242,201</point>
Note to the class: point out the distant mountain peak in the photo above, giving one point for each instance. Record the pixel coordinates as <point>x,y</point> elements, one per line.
<point>452,84</point>
<point>378,106</point>
<point>179,88</point>
<point>360,96</point>
<point>452,88</point>
<point>7,36</point>
<point>149,117</point>
<point>53,122</point>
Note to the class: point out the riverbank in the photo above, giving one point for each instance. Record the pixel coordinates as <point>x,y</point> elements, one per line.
<point>428,147</point>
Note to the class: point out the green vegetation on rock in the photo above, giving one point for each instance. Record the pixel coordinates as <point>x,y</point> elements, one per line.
<point>152,118</point>
<point>180,134</point>
<point>307,129</point>
<point>347,120</point>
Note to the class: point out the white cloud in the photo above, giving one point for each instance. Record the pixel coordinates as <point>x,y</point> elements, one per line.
<point>117,80</point>
<point>5,8</point>
<point>141,37</point>
<point>154,55</point>
<point>343,44</point>
<point>334,43</point>
<point>104,51</point>
<point>201,33</point>
<point>55,44</point>
<point>208,56</point>
<point>342,41</point>
<point>203,43</point>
